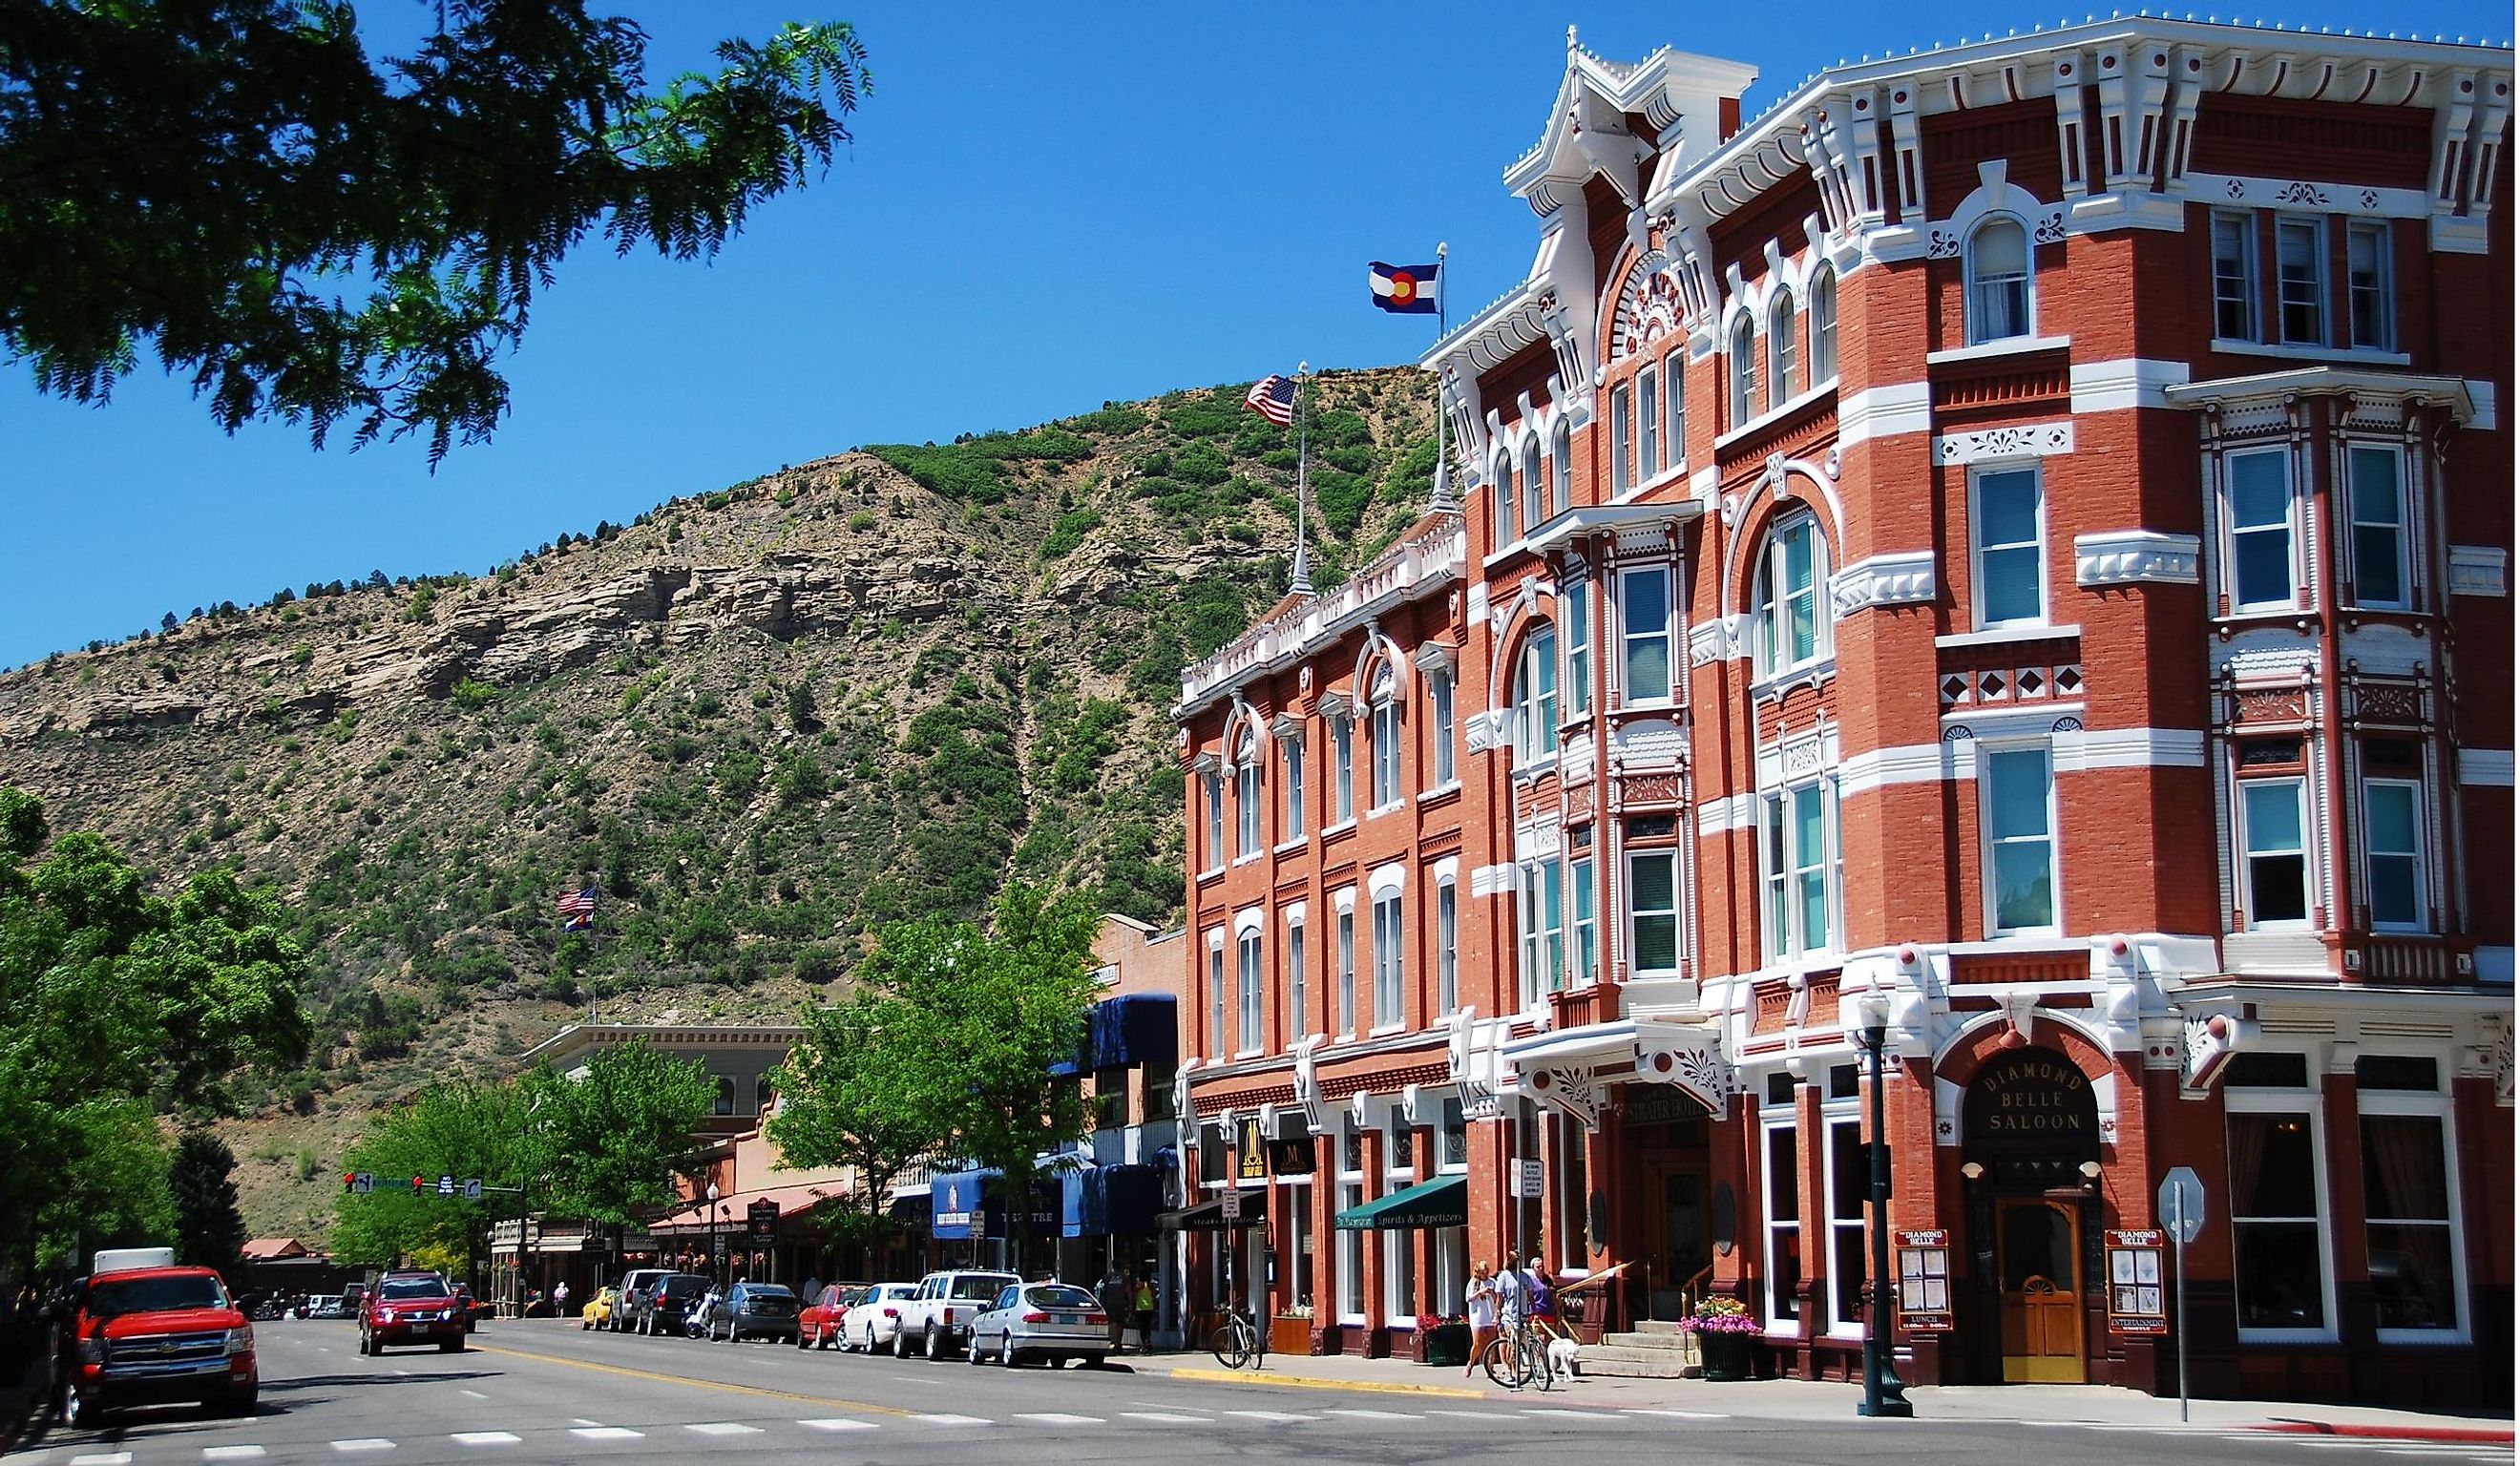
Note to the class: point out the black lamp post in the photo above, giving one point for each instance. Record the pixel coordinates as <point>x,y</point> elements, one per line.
<point>1883,1393</point>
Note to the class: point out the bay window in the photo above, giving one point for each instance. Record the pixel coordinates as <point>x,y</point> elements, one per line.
<point>1653,912</point>
<point>2260,507</point>
<point>2019,794</point>
<point>2009,545</point>
<point>1644,628</point>
<point>2393,859</point>
<point>1578,874</point>
<point>2274,860</point>
<point>1579,648</point>
<point>2375,482</point>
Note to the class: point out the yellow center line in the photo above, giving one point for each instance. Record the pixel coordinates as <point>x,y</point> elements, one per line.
<point>627,1372</point>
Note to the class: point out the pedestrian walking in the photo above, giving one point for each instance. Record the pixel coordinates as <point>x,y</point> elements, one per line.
<point>559,1298</point>
<point>1115,1297</point>
<point>1146,1310</point>
<point>1483,1313</point>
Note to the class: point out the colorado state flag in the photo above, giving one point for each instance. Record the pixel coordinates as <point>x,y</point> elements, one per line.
<point>1404,289</point>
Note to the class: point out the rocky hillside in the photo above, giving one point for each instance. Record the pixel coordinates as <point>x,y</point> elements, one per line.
<point>765,720</point>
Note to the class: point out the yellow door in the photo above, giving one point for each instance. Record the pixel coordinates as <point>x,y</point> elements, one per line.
<point>2040,1246</point>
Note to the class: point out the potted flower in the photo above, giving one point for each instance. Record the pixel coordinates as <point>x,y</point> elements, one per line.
<point>1443,1338</point>
<point>1290,1330</point>
<point>1724,1328</point>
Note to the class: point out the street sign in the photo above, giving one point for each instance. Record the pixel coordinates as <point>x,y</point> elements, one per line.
<point>2181,1202</point>
<point>1232,1198</point>
<point>1530,1180</point>
<point>762,1219</point>
<point>446,1186</point>
<point>364,1182</point>
<point>473,1189</point>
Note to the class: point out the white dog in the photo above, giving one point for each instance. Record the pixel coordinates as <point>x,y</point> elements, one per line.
<point>1563,1358</point>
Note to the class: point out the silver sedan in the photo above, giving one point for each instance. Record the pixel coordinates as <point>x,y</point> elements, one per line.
<point>1050,1322</point>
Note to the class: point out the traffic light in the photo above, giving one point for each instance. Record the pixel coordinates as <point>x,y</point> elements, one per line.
<point>349,1180</point>
<point>359,1182</point>
<point>420,1185</point>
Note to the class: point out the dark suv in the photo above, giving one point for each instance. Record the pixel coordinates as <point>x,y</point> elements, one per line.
<point>664,1305</point>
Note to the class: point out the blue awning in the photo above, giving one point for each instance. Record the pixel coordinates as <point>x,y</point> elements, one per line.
<point>961,1206</point>
<point>1136,1027</point>
<point>1104,1201</point>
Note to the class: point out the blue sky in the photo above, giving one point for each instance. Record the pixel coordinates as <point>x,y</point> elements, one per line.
<point>1044,208</point>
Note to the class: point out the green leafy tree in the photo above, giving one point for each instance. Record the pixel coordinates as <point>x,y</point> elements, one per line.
<point>621,1134</point>
<point>209,1230</point>
<point>105,1166</point>
<point>860,1090</point>
<point>464,1129</point>
<point>316,236</point>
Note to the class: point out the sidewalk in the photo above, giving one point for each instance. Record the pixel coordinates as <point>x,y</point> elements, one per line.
<point>1798,1399</point>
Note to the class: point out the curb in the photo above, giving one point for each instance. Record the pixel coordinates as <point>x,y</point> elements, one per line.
<point>1309,1382</point>
<point>2471,1434</point>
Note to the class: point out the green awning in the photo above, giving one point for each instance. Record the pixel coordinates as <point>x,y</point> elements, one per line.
<point>1444,1201</point>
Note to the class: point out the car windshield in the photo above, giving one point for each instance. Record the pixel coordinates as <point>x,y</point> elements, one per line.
<point>767,1290</point>
<point>684,1284</point>
<point>399,1290</point>
<point>981,1287</point>
<point>1060,1296</point>
<point>152,1295</point>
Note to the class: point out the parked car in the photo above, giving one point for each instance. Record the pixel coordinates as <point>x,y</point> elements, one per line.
<point>597,1313</point>
<point>935,1319</point>
<point>1051,1321</point>
<point>412,1307</point>
<point>761,1311</point>
<point>874,1318</point>
<point>664,1307</point>
<point>625,1298</point>
<point>144,1331</point>
<point>817,1324</point>
<point>328,1305</point>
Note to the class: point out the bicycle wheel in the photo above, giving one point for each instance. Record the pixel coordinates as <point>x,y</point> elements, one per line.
<point>1503,1361</point>
<point>1535,1368</point>
<point>1230,1343</point>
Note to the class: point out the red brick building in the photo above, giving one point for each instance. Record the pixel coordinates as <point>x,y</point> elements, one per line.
<point>2013,543</point>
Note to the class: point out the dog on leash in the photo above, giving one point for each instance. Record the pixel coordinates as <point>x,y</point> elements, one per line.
<point>1563,1358</point>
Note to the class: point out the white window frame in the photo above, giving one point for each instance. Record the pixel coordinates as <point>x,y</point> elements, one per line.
<point>1351,1244</point>
<point>1981,330</point>
<point>2243,227</point>
<point>1502,489</point>
<point>1638,915</point>
<point>1980,547</point>
<point>1298,1018</point>
<point>1342,770</point>
<point>2434,1106</point>
<point>1623,473</point>
<point>2244,841</point>
<point>1834,1115</point>
<point>1215,1046</point>
<point>1823,313</point>
<point>1562,470</point>
<point>1248,838</point>
<point>1742,363</point>
<point>1248,986</point>
<point>2413,789</point>
<point>1648,425</point>
<point>1675,397</point>
<point>1212,787</point>
<point>1535,490</point>
<point>1635,637</point>
<point>1773,624</point>
<point>1534,706</point>
<point>2399,526</point>
<point>2382,294</point>
<point>1388,750</point>
<point>2317,294</point>
<point>1584,894</point>
<point>1775,1121</point>
<point>1293,751</point>
<point>1441,732</point>
<point>1575,622</point>
<point>1390,965</point>
<point>1344,998</point>
<point>1540,932</point>
<point>2305,1102</point>
<point>1989,843</point>
<point>1784,359</point>
<point>2232,531</point>
<point>1786,871</point>
<point>1448,945</point>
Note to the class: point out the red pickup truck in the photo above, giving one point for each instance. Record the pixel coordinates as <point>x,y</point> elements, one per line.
<point>149,1333</point>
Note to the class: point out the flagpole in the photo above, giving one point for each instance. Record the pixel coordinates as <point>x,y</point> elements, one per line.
<point>1443,502</point>
<point>1301,580</point>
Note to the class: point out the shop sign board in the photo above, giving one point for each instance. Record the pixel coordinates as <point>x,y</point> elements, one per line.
<point>2138,1303</point>
<point>762,1219</point>
<point>1925,1280</point>
<point>1252,1151</point>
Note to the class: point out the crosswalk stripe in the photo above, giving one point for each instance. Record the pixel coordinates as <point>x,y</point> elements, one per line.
<point>1053,1417</point>
<point>1374,1414</point>
<point>953,1420</point>
<point>723,1428</point>
<point>1166,1417</point>
<point>1275,1418</point>
<point>363,1443</point>
<point>1678,1414</point>
<point>102,1458</point>
<point>607,1433</point>
<point>232,1452</point>
<point>838,1423</point>
<point>1493,1415</point>
<point>485,1438</point>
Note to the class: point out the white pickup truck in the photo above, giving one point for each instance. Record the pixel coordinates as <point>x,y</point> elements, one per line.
<point>937,1319</point>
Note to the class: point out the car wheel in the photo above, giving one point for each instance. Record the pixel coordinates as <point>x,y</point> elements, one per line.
<point>77,1410</point>
<point>935,1346</point>
<point>901,1343</point>
<point>869,1341</point>
<point>1007,1355</point>
<point>971,1353</point>
<point>827,1338</point>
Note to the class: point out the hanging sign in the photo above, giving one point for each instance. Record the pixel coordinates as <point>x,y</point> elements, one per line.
<point>1925,1280</point>
<point>1251,1153</point>
<point>2138,1305</point>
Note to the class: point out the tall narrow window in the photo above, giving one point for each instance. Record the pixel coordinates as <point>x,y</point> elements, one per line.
<point>1448,955</point>
<point>1645,629</point>
<point>1675,394</point>
<point>1246,978</point>
<point>1387,969</point>
<point>2369,306</point>
<point>2301,281</point>
<point>2261,513</point>
<point>1216,995</point>
<point>1583,892</point>
<point>1298,1012</point>
<point>724,1103</point>
<point>1439,708</point>
<point>1543,931</point>
<point>1346,1014</point>
<point>2021,840</point>
<point>1562,470</point>
<point>1246,794</point>
<point>2412,1236</point>
<point>1502,490</point>
<point>2377,488</point>
<point>1535,489</point>
<point>1622,439</point>
<point>2278,1269</point>
<point>2276,863</point>
<point>1212,787</point>
<point>2236,277</point>
<point>2393,848</point>
<point>1653,912</point>
<point>1744,364</point>
<point>1849,1182</point>
<point>1342,769</point>
<point>1783,383</point>
<point>1790,629</point>
<point>1535,698</point>
<point>1579,648</point>
<point>2011,563</point>
<point>1294,755</point>
<point>1387,747</point>
<point>1648,426</point>
<point>1784,1228</point>
<point>1823,328</point>
<point>1998,280</point>
<point>1798,856</point>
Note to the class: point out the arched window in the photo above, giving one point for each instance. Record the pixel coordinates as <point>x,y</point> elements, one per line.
<point>1246,793</point>
<point>1824,327</point>
<point>1501,482</point>
<point>1387,747</point>
<point>1746,367</point>
<point>725,1103</point>
<point>1998,280</point>
<point>1535,489</point>
<point>1793,567</point>
<point>1781,356</point>
<point>1535,697</point>
<point>1562,470</point>
<point>762,1095</point>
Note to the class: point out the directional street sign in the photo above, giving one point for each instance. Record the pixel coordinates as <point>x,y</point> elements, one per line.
<point>2182,1203</point>
<point>446,1186</point>
<point>364,1182</point>
<point>473,1189</point>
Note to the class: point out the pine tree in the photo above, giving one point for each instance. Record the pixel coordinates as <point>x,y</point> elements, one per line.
<point>209,1230</point>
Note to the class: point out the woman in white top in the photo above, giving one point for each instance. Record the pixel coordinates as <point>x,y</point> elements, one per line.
<point>1484,1312</point>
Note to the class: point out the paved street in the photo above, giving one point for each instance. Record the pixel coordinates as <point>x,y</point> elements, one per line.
<point>545,1391</point>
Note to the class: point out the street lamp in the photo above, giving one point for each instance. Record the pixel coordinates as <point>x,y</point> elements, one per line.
<point>1883,1394</point>
<point>713,1216</point>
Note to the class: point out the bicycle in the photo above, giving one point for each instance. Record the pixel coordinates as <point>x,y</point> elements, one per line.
<point>1237,1341</point>
<point>1518,1356</point>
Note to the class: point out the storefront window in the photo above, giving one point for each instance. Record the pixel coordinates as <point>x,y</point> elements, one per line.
<point>2412,1236</point>
<point>1847,1189</point>
<point>2278,1274</point>
<point>1784,1229</point>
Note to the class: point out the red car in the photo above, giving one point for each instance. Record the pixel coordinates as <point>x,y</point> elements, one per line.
<point>819,1326</point>
<point>412,1307</point>
<point>155,1334</point>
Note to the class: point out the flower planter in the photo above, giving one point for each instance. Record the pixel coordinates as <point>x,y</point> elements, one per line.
<point>1725,1356</point>
<point>1292,1336</point>
<point>1445,1344</point>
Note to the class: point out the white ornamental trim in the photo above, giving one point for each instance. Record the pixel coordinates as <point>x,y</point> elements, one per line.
<point>1901,578</point>
<point>2129,556</point>
<point>2487,768</point>
<point>2028,440</point>
<point>1491,880</point>
<point>1884,412</point>
<point>1731,811</point>
<point>1481,731</point>
<point>2128,381</point>
<point>2479,570</point>
<point>1718,641</point>
<point>2236,191</point>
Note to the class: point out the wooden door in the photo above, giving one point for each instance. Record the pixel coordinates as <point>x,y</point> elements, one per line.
<point>2040,1247</point>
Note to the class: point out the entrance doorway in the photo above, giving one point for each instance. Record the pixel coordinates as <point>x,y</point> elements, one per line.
<point>1671,1227</point>
<point>2040,1246</point>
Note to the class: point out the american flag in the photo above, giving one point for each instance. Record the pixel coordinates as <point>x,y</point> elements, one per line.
<point>577,910</point>
<point>1274,398</point>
